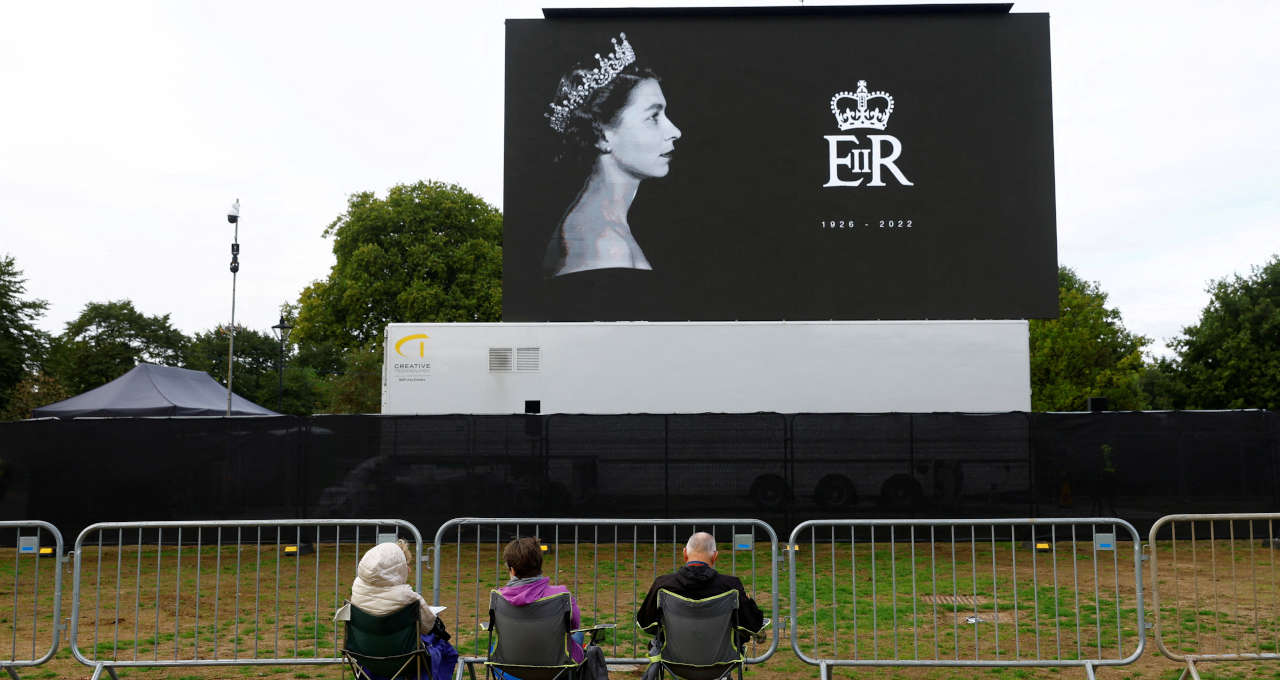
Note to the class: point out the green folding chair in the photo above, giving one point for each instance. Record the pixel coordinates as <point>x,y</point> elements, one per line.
<point>697,639</point>
<point>385,646</point>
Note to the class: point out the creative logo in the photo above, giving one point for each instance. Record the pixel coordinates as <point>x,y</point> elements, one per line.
<point>846,158</point>
<point>421,345</point>
<point>414,370</point>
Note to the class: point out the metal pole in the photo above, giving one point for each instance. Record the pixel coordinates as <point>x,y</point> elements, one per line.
<point>282,334</point>
<point>234,218</point>
<point>280,375</point>
<point>231,337</point>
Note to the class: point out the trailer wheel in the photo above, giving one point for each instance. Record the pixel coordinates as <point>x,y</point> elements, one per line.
<point>835,492</point>
<point>901,492</point>
<point>770,492</point>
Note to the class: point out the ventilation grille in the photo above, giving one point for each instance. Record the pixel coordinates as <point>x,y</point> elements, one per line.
<point>521,359</point>
<point>499,359</point>
<point>528,359</point>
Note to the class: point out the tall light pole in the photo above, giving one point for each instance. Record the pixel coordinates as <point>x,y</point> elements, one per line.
<point>233,216</point>
<point>282,332</point>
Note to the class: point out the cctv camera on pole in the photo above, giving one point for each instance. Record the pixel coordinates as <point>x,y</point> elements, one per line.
<point>233,216</point>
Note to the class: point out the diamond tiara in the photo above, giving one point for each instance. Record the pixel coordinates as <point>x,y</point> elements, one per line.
<point>621,57</point>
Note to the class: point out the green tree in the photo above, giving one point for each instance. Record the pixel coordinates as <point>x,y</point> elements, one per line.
<point>1231,358</point>
<point>256,374</point>
<point>1085,352</point>
<point>22,345</point>
<point>1164,385</point>
<point>427,252</point>
<point>358,389</point>
<point>33,391</point>
<point>256,354</point>
<point>108,339</point>
<point>322,358</point>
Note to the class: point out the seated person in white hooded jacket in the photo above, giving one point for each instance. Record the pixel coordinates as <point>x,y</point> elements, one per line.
<point>382,587</point>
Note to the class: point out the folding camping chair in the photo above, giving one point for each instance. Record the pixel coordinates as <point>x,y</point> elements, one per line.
<point>697,639</point>
<point>385,646</point>
<point>532,641</point>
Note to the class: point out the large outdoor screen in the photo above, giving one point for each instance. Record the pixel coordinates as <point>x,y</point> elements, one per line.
<point>788,166</point>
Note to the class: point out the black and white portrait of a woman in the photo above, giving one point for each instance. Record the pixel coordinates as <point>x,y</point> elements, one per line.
<point>612,119</point>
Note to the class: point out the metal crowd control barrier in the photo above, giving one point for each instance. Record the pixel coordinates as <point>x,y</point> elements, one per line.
<point>608,565</point>
<point>966,592</point>
<point>31,624</point>
<point>236,593</point>
<point>1215,589</point>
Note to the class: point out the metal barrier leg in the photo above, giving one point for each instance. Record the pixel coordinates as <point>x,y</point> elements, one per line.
<point>97,672</point>
<point>1088,672</point>
<point>1190,670</point>
<point>12,673</point>
<point>823,671</point>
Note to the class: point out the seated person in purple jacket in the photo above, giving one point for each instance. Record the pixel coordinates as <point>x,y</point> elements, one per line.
<point>527,585</point>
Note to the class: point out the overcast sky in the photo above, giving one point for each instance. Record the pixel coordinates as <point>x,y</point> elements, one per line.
<point>127,128</point>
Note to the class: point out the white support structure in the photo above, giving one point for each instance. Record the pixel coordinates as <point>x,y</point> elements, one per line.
<point>723,367</point>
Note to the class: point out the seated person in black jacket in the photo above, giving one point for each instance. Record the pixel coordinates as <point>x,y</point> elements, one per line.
<point>698,579</point>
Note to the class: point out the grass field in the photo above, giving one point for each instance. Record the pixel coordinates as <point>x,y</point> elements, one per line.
<point>998,598</point>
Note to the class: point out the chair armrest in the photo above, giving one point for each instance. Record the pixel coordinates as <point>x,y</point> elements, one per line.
<point>593,631</point>
<point>598,626</point>
<point>759,635</point>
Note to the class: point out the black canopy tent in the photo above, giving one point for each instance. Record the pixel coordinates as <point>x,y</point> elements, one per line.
<point>150,390</point>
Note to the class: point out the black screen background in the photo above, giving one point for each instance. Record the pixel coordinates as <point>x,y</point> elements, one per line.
<point>733,231</point>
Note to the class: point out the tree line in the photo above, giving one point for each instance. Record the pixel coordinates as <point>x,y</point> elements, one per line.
<point>432,252</point>
<point>428,251</point>
<point>1228,359</point>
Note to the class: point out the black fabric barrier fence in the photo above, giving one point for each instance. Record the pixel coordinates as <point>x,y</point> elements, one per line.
<point>781,468</point>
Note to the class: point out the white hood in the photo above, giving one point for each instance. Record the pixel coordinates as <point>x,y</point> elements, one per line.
<point>383,566</point>
<point>381,584</point>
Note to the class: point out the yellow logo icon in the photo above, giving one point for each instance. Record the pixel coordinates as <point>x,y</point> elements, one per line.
<point>422,352</point>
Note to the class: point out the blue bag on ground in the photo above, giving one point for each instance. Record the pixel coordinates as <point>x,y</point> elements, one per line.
<point>443,656</point>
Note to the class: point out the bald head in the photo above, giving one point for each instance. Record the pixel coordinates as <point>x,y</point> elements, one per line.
<point>700,548</point>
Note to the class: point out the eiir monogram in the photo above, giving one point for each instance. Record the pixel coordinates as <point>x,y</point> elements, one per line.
<point>881,152</point>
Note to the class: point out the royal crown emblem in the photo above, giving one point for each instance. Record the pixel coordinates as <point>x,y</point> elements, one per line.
<point>861,116</point>
<point>622,56</point>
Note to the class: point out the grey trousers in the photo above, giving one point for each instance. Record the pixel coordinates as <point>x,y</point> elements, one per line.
<point>652,671</point>
<point>593,666</point>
